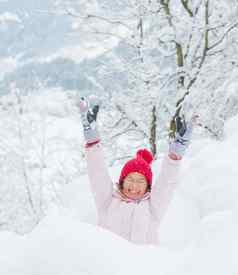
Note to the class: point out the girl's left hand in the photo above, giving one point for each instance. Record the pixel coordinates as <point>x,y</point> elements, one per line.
<point>179,144</point>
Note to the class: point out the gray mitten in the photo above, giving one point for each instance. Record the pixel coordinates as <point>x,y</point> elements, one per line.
<point>89,110</point>
<point>179,144</point>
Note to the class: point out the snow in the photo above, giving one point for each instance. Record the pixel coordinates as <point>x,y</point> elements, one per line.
<point>7,17</point>
<point>86,50</point>
<point>198,235</point>
<point>7,64</point>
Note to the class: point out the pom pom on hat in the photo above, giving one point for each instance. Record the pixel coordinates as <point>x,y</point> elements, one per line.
<point>145,155</point>
<point>140,164</point>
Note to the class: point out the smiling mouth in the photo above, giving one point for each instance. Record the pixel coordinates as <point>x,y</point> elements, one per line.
<point>134,192</point>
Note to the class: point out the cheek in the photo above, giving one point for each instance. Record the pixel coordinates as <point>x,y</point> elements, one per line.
<point>125,186</point>
<point>143,187</point>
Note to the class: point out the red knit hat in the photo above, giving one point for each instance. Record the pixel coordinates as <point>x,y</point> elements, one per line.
<point>140,164</point>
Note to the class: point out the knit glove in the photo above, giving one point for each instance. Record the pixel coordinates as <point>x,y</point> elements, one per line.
<point>179,144</point>
<point>89,110</point>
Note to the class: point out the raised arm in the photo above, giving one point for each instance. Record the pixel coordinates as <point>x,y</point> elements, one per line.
<point>162,191</point>
<point>100,181</point>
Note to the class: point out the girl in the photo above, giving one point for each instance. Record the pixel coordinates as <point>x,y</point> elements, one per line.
<point>136,208</point>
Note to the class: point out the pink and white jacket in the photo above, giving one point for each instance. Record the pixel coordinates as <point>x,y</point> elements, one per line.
<point>136,221</point>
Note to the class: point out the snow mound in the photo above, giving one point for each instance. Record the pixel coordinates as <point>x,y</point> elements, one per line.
<point>211,176</point>
<point>64,245</point>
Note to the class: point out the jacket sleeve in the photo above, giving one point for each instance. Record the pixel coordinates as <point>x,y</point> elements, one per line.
<point>163,189</point>
<point>100,181</point>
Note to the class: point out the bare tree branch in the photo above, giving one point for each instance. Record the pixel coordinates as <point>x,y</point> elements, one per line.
<point>186,7</point>
<point>94,16</point>
<point>205,48</point>
<point>133,122</point>
<point>223,37</point>
<point>197,8</point>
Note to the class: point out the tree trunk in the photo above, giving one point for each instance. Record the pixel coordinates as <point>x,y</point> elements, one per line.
<point>153,139</point>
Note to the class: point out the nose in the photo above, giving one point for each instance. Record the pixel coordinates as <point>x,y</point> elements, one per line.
<point>133,185</point>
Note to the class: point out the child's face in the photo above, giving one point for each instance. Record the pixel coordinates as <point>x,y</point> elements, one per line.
<point>134,185</point>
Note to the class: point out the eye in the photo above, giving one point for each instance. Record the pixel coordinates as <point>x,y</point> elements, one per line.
<point>141,181</point>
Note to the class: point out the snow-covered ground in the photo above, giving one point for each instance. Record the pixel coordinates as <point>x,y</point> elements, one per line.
<point>198,235</point>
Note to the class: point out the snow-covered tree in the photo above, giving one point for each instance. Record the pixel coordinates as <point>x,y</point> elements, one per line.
<point>202,31</point>
<point>173,52</point>
<point>36,156</point>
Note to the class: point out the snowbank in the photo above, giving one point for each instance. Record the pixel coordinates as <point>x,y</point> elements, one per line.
<point>204,207</point>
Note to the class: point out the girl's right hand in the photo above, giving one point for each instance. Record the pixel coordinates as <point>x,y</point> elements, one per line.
<point>89,109</point>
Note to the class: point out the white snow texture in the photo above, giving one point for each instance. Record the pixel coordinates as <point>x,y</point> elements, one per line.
<point>198,234</point>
